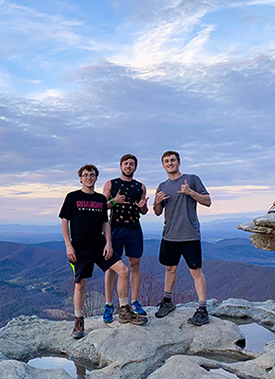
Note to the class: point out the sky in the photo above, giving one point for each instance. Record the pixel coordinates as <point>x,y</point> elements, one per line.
<point>88,81</point>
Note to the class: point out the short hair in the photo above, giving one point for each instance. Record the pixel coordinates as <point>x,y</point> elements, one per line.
<point>170,152</point>
<point>128,156</point>
<point>88,167</point>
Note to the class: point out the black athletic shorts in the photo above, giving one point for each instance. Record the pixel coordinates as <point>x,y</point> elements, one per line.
<point>87,257</point>
<point>171,252</point>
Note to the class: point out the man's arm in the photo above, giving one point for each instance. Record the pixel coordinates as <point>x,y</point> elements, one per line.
<point>66,235</point>
<point>108,250</point>
<point>107,192</point>
<point>142,204</point>
<point>203,199</point>
<point>159,198</point>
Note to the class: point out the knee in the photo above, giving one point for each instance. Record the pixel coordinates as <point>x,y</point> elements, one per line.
<point>197,274</point>
<point>80,286</point>
<point>171,269</point>
<point>124,272</point>
<point>134,266</point>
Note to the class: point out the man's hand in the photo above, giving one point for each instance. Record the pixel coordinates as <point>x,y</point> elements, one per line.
<point>160,197</point>
<point>142,203</point>
<point>71,253</point>
<point>108,251</point>
<point>120,199</point>
<point>185,188</point>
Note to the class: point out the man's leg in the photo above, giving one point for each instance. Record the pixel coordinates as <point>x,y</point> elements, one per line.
<point>135,280</point>
<point>125,312</point>
<point>79,295</point>
<point>166,306</point>
<point>110,278</point>
<point>110,282</point>
<point>122,271</point>
<point>79,288</point>
<point>135,277</point>
<point>200,283</point>
<point>201,316</point>
<point>170,278</point>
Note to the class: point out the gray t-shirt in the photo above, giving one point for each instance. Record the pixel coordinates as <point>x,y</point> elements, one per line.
<point>180,211</point>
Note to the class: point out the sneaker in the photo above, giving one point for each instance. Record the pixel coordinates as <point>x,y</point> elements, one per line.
<point>137,308</point>
<point>109,310</point>
<point>125,314</point>
<point>199,318</point>
<point>78,331</point>
<point>165,307</point>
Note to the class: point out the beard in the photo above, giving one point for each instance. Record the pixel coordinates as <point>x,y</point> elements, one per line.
<point>128,175</point>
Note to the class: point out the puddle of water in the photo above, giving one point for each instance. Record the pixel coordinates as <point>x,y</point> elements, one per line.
<point>256,336</point>
<point>224,373</point>
<point>227,357</point>
<point>76,369</point>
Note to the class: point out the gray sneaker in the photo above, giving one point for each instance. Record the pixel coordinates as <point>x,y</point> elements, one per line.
<point>125,314</point>
<point>165,307</point>
<point>78,331</point>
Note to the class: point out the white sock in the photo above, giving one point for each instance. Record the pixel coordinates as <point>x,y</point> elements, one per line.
<point>123,301</point>
<point>78,313</point>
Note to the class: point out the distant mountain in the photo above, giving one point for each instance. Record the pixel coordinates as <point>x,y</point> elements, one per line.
<point>36,278</point>
<point>32,279</point>
<point>232,250</point>
<point>224,280</point>
<point>31,234</point>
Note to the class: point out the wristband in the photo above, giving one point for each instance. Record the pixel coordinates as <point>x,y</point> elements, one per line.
<point>112,202</point>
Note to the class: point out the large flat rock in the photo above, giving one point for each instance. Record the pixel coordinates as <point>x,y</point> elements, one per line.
<point>162,348</point>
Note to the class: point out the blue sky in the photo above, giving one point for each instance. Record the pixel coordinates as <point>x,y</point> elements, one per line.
<point>86,82</point>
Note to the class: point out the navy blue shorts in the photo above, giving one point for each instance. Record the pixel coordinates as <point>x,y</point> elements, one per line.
<point>171,252</point>
<point>86,258</point>
<point>131,240</point>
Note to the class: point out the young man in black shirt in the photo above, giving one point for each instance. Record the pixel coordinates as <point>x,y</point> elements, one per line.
<point>84,218</point>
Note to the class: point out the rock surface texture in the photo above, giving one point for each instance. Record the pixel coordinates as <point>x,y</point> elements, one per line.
<point>163,348</point>
<point>263,229</point>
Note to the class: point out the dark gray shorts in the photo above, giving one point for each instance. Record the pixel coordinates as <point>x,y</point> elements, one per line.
<point>171,252</point>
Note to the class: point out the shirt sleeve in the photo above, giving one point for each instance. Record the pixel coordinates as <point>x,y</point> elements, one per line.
<point>65,211</point>
<point>105,212</point>
<point>199,186</point>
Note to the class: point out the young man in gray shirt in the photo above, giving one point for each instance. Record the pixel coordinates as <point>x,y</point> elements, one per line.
<point>178,196</point>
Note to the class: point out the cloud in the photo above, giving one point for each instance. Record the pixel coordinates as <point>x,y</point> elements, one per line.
<point>210,118</point>
<point>160,82</point>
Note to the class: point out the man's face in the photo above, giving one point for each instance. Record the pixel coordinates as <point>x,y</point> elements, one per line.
<point>128,167</point>
<point>88,178</point>
<point>171,164</point>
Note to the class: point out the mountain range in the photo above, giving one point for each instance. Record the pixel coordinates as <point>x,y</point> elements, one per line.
<point>37,277</point>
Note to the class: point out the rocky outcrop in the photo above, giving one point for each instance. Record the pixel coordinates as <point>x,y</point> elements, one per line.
<point>263,229</point>
<point>162,348</point>
<point>260,312</point>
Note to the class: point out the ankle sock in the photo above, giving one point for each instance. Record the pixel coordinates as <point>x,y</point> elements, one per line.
<point>123,301</point>
<point>202,305</point>
<point>78,313</point>
<point>167,296</point>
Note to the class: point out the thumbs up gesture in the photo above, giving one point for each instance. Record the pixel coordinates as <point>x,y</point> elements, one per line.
<point>184,188</point>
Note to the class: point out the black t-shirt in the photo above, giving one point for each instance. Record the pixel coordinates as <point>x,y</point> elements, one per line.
<point>86,213</point>
<point>126,215</point>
